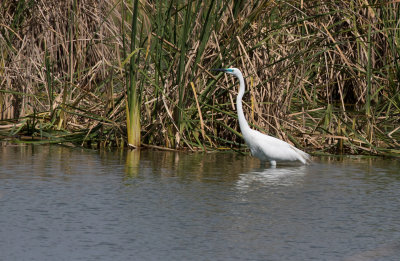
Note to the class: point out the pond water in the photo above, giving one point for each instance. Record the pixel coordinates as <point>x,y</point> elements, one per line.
<point>60,203</point>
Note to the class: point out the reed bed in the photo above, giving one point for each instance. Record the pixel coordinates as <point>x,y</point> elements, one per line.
<point>323,75</point>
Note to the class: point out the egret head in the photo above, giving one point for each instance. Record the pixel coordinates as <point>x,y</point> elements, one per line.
<point>233,71</point>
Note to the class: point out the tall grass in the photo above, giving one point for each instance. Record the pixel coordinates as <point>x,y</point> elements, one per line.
<point>323,75</point>
<point>133,97</point>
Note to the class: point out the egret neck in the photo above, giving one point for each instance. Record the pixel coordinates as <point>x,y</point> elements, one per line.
<point>244,126</point>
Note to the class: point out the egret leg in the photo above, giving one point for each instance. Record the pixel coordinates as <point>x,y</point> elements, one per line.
<point>273,163</point>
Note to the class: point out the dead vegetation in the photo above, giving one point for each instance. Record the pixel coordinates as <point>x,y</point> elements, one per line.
<point>322,75</point>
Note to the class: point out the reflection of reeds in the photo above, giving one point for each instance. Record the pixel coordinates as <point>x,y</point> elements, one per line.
<point>132,164</point>
<point>325,75</point>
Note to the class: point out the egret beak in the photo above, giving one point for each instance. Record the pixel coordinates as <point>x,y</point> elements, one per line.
<point>223,70</point>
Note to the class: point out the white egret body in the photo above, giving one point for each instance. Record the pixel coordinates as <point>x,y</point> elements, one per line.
<point>264,147</point>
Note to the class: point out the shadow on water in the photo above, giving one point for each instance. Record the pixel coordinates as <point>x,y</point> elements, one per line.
<point>205,167</point>
<point>211,167</point>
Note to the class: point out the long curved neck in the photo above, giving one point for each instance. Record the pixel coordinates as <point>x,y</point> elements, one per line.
<point>244,126</point>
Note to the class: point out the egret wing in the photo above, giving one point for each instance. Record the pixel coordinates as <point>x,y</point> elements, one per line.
<point>270,148</point>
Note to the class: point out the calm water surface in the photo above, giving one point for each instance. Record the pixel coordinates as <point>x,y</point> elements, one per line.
<point>60,203</point>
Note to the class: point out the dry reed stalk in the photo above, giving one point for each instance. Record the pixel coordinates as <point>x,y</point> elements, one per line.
<point>315,66</point>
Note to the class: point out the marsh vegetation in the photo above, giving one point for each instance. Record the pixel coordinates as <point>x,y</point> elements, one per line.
<point>322,75</point>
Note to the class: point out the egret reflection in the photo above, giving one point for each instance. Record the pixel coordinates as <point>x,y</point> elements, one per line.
<point>282,176</point>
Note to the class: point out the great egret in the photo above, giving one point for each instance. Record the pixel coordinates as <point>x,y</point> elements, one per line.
<point>264,147</point>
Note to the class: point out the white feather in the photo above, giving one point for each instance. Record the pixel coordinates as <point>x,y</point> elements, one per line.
<point>264,147</point>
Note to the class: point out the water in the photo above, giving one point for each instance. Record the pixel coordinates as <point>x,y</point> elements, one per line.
<point>60,203</point>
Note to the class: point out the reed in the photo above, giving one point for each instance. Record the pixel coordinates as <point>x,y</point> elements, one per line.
<point>133,98</point>
<point>322,75</point>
